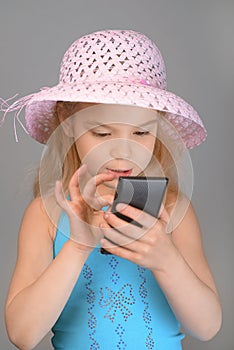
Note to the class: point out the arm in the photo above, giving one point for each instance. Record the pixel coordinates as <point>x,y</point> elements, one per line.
<point>188,283</point>
<point>176,260</point>
<point>40,285</point>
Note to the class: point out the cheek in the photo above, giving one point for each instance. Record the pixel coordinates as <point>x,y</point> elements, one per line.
<point>142,153</point>
<point>147,148</point>
<point>151,144</point>
<point>84,143</point>
<point>145,153</point>
<point>94,154</point>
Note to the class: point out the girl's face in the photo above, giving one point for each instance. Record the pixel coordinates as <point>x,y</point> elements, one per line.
<point>114,139</point>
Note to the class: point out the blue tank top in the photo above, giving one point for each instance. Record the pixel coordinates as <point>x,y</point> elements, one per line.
<point>115,304</point>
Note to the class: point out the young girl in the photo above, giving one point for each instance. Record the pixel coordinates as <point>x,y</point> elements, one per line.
<point>109,116</point>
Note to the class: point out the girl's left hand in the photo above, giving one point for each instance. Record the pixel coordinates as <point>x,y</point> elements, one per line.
<point>149,246</point>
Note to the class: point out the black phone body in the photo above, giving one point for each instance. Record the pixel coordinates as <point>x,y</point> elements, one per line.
<point>145,193</point>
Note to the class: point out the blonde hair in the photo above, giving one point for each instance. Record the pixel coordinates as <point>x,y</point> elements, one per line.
<point>46,173</point>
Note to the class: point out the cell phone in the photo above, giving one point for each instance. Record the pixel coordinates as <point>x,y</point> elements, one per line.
<point>145,193</point>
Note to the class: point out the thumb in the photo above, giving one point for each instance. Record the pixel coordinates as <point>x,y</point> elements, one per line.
<point>60,197</point>
<point>104,201</point>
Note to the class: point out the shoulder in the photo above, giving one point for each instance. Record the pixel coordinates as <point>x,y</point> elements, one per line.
<point>35,208</point>
<point>186,232</point>
<point>37,214</point>
<point>35,241</point>
<point>184,222</point>
<point>187,238</point>
<point>35,247</point>
<point>179,208</point>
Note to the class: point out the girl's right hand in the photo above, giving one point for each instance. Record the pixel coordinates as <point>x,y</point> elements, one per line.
<point>84,209</point>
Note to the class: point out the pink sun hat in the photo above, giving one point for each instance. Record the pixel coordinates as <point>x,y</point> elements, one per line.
<point>112,67</point>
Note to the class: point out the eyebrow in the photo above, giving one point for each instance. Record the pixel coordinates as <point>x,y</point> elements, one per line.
<point>97,123</point>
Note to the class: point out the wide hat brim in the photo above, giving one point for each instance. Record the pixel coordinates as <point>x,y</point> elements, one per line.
<point>40,106</point>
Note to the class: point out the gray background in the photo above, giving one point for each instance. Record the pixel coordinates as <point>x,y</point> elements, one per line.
<point>196,40</point>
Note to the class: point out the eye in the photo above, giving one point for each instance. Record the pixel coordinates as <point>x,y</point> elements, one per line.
<point>100,134</point>
<point>141,133</point>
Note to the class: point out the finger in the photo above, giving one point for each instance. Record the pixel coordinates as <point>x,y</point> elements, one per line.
<point>89,193</point>
<point>74,188</point>
<point>145,219</point>
<point>100,178</point>
<point>103,201</point>
<point>109,198</point>
<point>95,181</point>
<point>59,195</point>
<point>116,237</point>
<point>122,252</point>
<point>132,232</point>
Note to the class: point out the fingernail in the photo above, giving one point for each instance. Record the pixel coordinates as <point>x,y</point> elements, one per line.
<point>121,206</point>
<point>169,227</point>
<point>58,183</point>
<point>106,215</point>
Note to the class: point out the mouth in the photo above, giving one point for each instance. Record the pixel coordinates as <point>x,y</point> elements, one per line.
<point>119,172</point>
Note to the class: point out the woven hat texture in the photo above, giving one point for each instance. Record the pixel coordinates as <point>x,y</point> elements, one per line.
<point>113,67</point>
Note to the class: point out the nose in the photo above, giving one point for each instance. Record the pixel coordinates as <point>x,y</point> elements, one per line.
<point>121,148</point>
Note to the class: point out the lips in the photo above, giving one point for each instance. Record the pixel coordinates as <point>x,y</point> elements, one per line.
<point>120,172</point>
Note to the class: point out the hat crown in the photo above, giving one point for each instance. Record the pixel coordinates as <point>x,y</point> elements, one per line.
<point>114,56</point>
